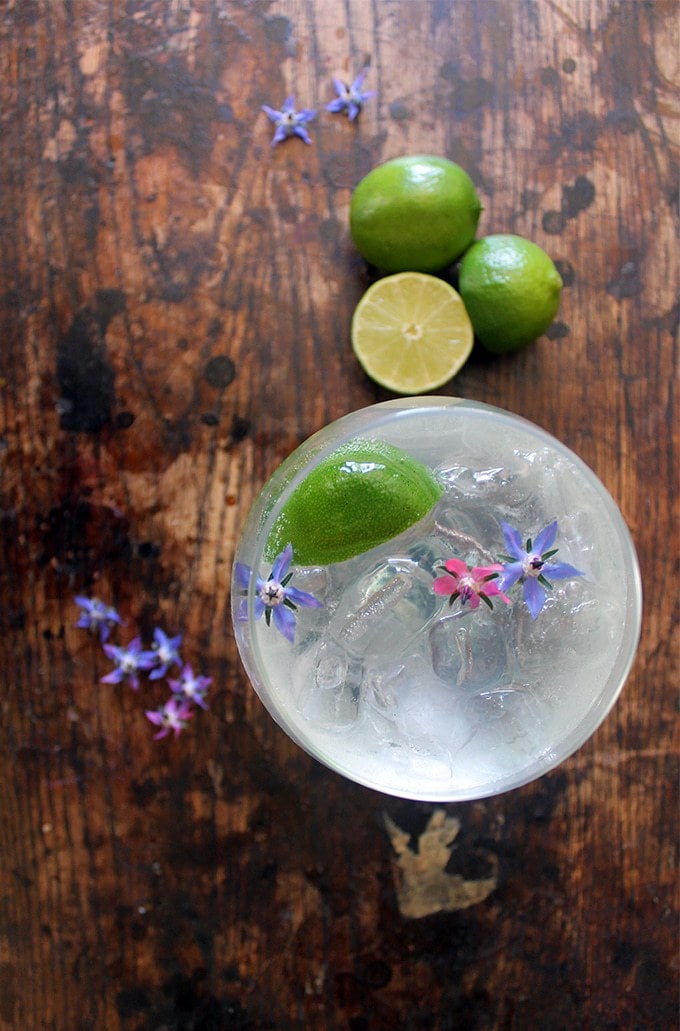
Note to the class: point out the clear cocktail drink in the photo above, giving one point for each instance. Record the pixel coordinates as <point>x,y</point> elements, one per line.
<point>472,651</point>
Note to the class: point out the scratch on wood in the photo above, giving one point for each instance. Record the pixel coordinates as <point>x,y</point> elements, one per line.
<point>423,885</point>
<point>216,774</point>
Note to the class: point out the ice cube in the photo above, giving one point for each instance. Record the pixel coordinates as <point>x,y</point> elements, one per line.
<point>416,719</point>
<point>314,580</point>
<point>479,482</point>
<point>507,719</point>
<point>472,651</point>
<point>573,630</point>
<point>469,531</point>
<point>385,610</point>
<point>329,687</point>
<point>311,621</point>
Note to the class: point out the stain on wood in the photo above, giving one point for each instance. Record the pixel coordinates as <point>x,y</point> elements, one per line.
<point>424,886</point>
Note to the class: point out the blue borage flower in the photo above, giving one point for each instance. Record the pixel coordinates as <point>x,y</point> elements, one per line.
<point>351,98</point>
<point>131,660</point>
<point>274,598</point>
<point>190,687</point>
<point>97,617</point>
<point>289,122</point>
<point>530,565</point>
<point>173,716</point>
<point>166,652</point>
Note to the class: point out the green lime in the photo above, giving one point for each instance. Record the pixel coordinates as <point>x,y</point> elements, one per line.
<point>359,496</point>
<point>411,332</point>
<point>511,290</point>
<point>414,214</point>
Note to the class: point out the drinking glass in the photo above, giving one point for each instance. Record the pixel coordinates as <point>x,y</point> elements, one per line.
<point>381,670</point>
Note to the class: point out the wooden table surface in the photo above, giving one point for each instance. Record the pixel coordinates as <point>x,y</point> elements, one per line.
<point>175,305</point>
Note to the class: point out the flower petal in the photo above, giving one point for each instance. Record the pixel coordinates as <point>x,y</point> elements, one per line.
<point>560,571</point>
<point>301,132</point>
<point>303,598</point>
<point>492,590</point>
<point>445,585</point>
<point>510,575</point>
<point>481,572</point>
<point>545,538</point>
<point>281,563</point>
<point>456,566</point>
<point>243,574</point>
<point>114,677</point>
<point>534,596</point>
<point>284,621</point>
<point>513,541</point>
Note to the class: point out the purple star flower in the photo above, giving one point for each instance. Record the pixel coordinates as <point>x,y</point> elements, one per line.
<point>190,688</point>
<point>130,661</point>
<point>165,653</point>
<point>289,122</point>
<point>350,98</point>
<point>174,715</point>
<point>97,616</point>
<point>531,567</point>
<point>275,597</point>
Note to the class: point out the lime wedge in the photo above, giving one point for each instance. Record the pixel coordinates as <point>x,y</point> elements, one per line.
<point>363,494</point>
<point>411,332</point>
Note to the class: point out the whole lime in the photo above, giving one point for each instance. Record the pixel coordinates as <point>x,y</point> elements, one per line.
<point>511,290</point>
<point>414,214</point>
<point>361,495</point>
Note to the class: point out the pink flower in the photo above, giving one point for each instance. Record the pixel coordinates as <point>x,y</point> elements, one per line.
<point>174,716</point>
<point>471,585</point>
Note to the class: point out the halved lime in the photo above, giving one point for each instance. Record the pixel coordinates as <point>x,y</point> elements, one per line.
<point>361,495</point>
<point>411,332</point>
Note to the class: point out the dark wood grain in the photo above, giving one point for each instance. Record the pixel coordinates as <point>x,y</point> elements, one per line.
<point>175,303</point>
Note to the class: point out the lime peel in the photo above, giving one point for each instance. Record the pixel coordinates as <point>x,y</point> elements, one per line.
<point>414,213</point>
<point>511,289</point>
<point>361,495</point>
